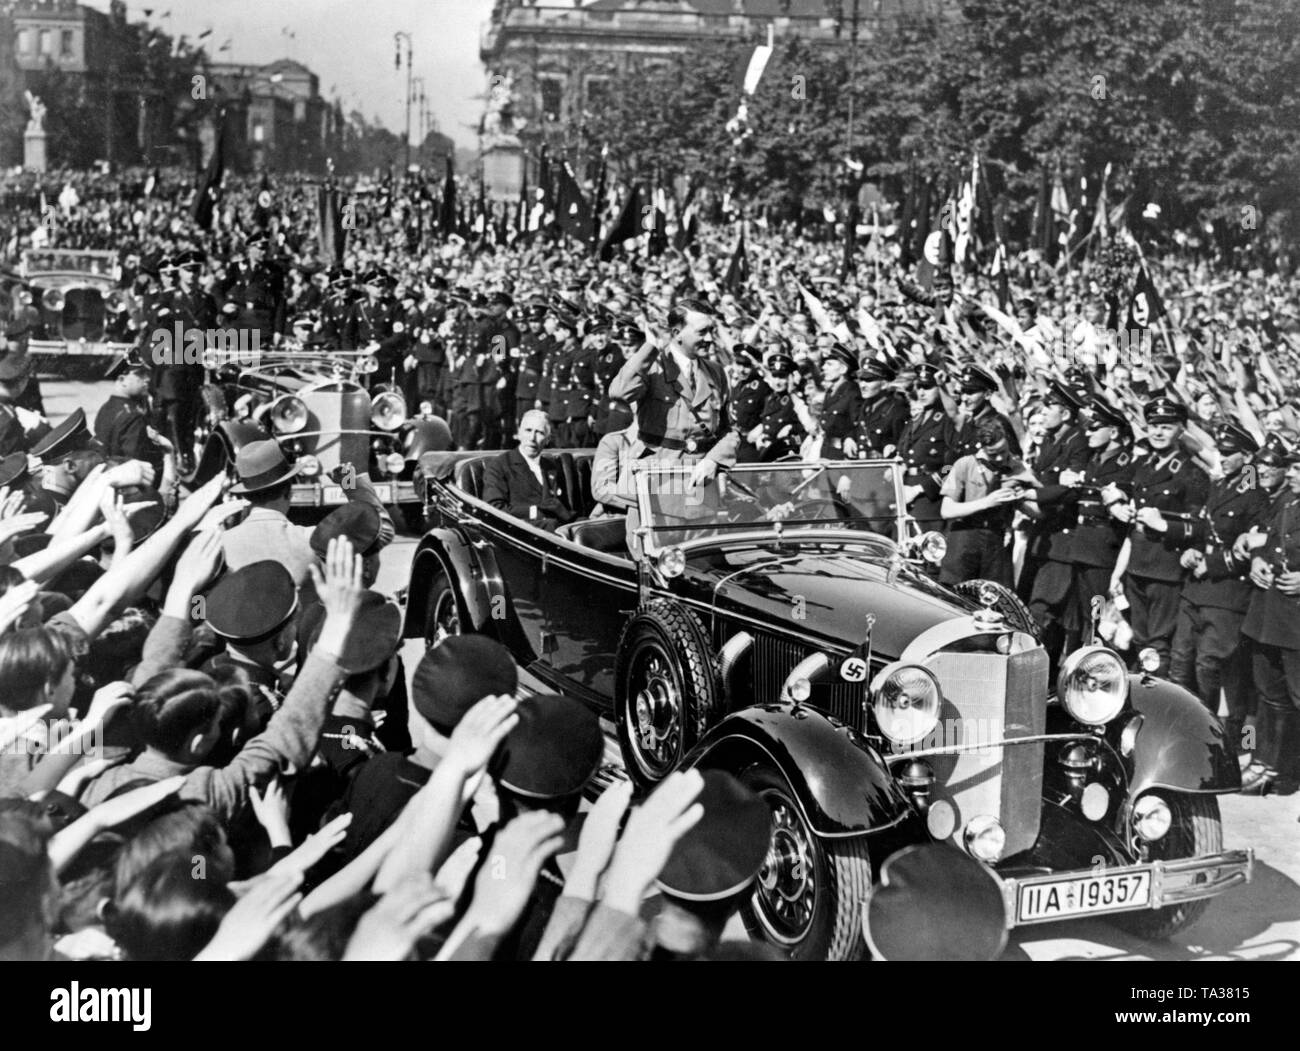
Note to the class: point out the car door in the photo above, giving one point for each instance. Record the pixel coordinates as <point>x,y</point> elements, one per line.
<point>588,597</point>
<point>515,553</point>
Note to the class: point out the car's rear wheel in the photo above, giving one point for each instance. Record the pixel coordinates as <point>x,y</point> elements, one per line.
<point>808,897</point>
<point>442,619</point>
<point>666,689</point>
<point>1196,830</point>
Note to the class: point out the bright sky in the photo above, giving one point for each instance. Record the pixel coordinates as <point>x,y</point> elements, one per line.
<point>349,45</point>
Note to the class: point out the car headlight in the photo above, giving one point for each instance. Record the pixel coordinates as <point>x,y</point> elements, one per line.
<point>53,299</point>
<point>308,465</point>
<point>394,463</point>
<point>672,562</point>
<point>288,414</point>
<point>1151,818</point>
<point>1093,685</point>
<point>906,700</point>
<point>388,410</point>
<point>933,547</point>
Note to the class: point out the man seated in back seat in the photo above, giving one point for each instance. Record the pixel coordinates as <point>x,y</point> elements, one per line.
<point>519,483</point>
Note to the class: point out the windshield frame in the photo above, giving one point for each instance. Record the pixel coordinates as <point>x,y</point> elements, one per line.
<point>644,470</point>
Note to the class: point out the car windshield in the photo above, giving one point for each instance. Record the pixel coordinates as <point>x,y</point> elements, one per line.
<point>855,495</point>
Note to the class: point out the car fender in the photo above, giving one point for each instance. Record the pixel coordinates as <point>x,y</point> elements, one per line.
<point>841,782</point>
<point>447,549</point>
<point>425,435</point>
<point>221,447</point>
<point>1178,744</point>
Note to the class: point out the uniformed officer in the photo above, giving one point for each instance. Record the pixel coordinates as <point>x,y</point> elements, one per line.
<point>498,336</point>
<point>841,405</point>
<point>426,361</point>
<point>1058,467</point>
<point>780,431</point>
<point>379,328</point>
<point>977,386</point>
<point>748,393</point>
<point>927,447</point>
<point>683,407</point>
<point>336,318</point>
<point>15,370</point>
<point>884,411</point>
<point>1273,625</point>
<point>1206,654</point>
<point>609,359</point>
<point>179,378</point>
<point>254,292</point>
<point>1105,486</point>
<point>569,384</point>
<point>122,423</point>
<point>1168,494</point>
<point>533,345</point>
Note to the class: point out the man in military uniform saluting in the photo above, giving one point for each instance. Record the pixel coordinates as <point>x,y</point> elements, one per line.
<point>122,423</point>
<point>336,322</point>
<point>255,294</point>
<point>683,407</point>
<point>884,412</point>
<point>1207,652</point>
<point>927,447</point>
<point>1168,493</point>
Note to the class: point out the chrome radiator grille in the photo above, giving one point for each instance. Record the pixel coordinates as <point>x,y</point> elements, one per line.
<point>989,698</point>
<point>773,660</point>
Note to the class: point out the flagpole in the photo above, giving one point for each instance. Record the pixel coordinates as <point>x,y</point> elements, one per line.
<point>1164,329</point>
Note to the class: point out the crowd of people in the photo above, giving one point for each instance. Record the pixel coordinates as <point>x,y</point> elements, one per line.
<point>188,678</point>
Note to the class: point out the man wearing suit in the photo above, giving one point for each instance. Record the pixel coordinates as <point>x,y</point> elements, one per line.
<point>518,482</point>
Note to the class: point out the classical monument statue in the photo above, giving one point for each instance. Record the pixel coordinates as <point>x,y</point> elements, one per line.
<point>34,135</point>
<point>36,125</point>
<point>500,149</point>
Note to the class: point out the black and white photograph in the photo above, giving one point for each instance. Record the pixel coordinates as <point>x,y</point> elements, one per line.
<point>650,480</point>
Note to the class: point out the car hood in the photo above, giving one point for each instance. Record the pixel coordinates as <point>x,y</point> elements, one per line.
<point>829,593</point>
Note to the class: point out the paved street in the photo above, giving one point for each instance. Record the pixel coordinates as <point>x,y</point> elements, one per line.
<point>1261,921</point>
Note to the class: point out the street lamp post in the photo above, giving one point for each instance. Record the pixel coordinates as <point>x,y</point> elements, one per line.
<point>398,37</point>
<point>416,96</point>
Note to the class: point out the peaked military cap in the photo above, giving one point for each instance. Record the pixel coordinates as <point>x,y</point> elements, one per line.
<point>1164,409</point>
<point>876,369</point>
<point>456,674</point>
<point>553,751</point>
<point>1233,438</point>
<point>357,521</point>
<point>840,352</point>
<point>725,850</point>
<point>70,436</point>
<point>252,603</point>
<point>975,379</point>
<point>373,639</point>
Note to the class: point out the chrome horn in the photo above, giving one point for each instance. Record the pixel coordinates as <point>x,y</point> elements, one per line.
<point>116,301</point>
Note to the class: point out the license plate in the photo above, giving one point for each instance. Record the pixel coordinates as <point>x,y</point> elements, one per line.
<point>1077,896</point>
<point>333,494</point>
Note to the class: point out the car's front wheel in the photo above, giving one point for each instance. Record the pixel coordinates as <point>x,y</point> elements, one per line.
<point>1196,830</point>
<point>808,897</point>
<point>442,618</point>
<point>666,689</point>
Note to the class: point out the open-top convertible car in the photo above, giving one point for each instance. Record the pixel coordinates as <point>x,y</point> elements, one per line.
<point>780,624</point>
<point>327,419</point>
<point>79,315</point>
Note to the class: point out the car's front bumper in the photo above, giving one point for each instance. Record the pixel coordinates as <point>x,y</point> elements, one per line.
<point>77,348</point>
<point>318,494</point>
<point>1170,882</point>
